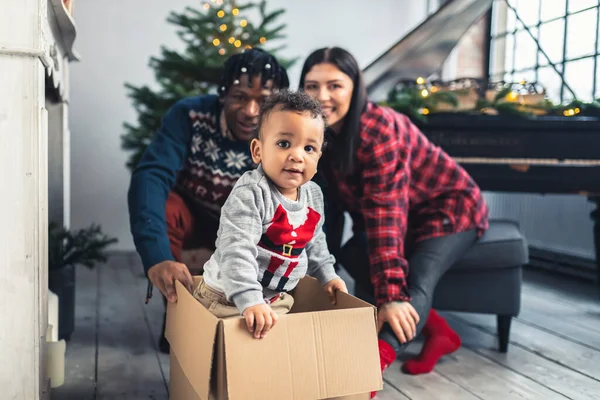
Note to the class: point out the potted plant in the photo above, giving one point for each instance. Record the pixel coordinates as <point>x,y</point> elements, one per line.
<point>65,250</point>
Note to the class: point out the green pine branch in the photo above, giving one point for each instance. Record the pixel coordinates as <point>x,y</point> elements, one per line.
<point>410,101</point>
<point>197,69</point>
<point>85,246</point>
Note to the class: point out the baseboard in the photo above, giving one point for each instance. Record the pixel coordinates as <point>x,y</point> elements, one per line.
<point>562,263</point>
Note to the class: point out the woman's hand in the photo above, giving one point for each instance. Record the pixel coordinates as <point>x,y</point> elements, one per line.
<point>402,317</point>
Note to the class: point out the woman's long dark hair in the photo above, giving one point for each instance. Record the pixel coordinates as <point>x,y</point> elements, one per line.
<point>349,137</point>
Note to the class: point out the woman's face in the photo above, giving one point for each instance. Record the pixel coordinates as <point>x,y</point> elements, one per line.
<point>333,88</point>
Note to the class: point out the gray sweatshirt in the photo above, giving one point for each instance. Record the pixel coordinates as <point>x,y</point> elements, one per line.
<point>266,243</point>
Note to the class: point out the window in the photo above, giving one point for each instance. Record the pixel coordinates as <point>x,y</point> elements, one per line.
<point>551,42</point>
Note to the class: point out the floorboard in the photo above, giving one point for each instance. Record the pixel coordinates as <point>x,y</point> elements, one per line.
<point>552,375</point>
<point>554,351</point>
<point>128,364</point>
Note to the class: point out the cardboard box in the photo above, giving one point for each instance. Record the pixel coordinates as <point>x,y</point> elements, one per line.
<point>318,351</point>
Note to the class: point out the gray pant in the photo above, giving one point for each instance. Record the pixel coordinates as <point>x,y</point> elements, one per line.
<point>428,260</point>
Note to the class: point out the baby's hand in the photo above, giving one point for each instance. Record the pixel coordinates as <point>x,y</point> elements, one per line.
<point>260,319</point>
<point>334,285</point>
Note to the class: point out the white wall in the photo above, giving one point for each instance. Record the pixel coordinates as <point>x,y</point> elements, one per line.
<point>364,30</point>
<point>116,39</point>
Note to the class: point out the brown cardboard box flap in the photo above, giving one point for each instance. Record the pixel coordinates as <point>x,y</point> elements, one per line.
<point>310,296</point>
<point>191,331</point>
<point>305,356</point>
<point>180,386</point>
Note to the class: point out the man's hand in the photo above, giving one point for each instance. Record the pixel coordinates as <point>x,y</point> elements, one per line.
<point>333,286</point>
<point>260,319</point>
<point>164,274</point>
<point>402,317</point>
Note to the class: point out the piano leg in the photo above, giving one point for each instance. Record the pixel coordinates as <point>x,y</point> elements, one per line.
<point>595,215</point>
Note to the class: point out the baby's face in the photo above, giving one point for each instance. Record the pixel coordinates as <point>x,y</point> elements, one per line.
<point>289,149</point>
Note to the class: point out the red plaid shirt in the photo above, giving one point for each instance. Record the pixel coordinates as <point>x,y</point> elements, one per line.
<point>399,173</point>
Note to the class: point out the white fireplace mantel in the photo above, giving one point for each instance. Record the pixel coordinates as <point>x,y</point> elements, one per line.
<point>36,46</point>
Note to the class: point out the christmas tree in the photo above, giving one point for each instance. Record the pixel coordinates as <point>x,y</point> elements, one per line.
<point>211,33</point>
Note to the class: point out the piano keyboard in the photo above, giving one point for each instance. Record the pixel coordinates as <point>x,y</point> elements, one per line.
<point>528,161</point>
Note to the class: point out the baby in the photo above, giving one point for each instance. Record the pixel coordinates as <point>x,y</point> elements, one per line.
<point>270,233</point>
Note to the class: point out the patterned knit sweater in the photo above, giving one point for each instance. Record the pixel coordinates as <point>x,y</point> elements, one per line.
<point>266,242</point>
<point>189,153</point>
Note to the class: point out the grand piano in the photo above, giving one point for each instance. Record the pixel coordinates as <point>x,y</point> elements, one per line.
<point>543,155</point>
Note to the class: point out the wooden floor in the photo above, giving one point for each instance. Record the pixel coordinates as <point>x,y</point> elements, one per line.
<point>554,351</point>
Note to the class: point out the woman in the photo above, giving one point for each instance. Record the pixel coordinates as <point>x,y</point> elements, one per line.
<point>415,211</point>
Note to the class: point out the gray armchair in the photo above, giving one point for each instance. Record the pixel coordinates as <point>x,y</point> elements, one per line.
<point>488,278</point>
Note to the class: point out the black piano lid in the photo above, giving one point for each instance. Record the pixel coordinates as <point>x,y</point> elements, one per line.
<point>541,124</point>
<point>423,51</point>
<point>475,136</point>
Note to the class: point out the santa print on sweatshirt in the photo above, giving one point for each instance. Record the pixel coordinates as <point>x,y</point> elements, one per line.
<point>287,235</point>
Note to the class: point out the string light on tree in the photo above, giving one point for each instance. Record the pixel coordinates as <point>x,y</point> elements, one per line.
<point>512,96</point>
<point>424,111</point>
<point>424,93</point>
<point>211,30</point>
<point>420,80</point>
<point>571,111</point>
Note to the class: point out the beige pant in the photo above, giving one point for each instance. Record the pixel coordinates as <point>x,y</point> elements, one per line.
<point>217,304</point>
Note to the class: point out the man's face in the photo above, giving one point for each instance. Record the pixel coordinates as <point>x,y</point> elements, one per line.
<point>241,106</point>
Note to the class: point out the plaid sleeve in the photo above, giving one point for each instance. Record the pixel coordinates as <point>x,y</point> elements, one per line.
<point>385,207</point>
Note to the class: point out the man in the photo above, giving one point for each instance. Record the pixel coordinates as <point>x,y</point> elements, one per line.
<point>191,165</point>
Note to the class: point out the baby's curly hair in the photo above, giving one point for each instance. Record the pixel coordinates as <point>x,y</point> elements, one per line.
<point>288,100</point>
